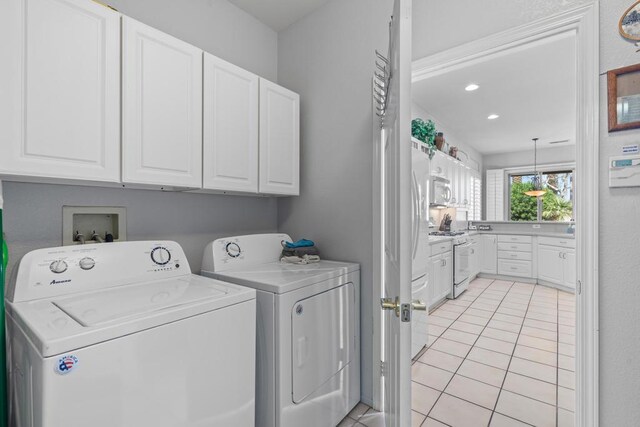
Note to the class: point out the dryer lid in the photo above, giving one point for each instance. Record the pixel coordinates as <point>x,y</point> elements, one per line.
<point>279,277</point>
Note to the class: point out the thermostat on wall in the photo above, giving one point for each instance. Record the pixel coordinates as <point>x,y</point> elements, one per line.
<point>624,171</point>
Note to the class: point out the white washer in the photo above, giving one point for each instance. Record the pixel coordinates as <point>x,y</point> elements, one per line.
<point>308,350</point>
<point>122,334</point>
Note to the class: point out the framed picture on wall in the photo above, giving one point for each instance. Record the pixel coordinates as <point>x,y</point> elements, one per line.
<point>623,88</point>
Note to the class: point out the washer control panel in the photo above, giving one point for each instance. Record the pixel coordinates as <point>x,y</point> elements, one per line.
<point>63,270</point>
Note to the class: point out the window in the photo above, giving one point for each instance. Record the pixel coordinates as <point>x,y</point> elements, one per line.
<point>555,205</point>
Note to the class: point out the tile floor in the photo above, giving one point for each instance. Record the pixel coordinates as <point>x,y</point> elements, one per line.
<point>501,355</point>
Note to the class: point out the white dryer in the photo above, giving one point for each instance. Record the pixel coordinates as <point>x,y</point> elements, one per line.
<point>308,349</point>
<point>122,334</point>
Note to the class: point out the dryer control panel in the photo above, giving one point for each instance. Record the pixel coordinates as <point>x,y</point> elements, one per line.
<point>65,270</point>
<point>231,253</point>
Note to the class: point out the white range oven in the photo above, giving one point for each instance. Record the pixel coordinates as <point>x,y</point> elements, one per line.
<point>462,250</point>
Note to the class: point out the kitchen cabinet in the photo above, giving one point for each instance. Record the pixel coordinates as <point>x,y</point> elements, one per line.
<point>441,270</point>
<point>279,140</point>
<point>230,140</point>
<point>60,85</point>
<point>557,261</point>
<point>489,253</point>
<point>161,108</point>
<point>474,257</point>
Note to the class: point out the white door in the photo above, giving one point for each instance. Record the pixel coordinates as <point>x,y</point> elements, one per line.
<point>60,86</point>
<point>569,269</point>
<point>161,108</point>
<point>279,140</point>
<point>446,277</point>
<point>397,223</point>
<point>230,151</point>
<point>550,264</point>
<point>489,254</point>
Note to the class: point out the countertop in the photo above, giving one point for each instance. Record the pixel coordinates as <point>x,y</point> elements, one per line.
<point>528,233</point>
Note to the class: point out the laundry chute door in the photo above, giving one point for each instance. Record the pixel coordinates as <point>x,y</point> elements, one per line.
<point>397,223</point>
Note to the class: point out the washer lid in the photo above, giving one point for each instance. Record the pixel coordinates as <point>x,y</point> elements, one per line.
<point>279,277</point>
<point>58,325</point>
<point>129,301</point>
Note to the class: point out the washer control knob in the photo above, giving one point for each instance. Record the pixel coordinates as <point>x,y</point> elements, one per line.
<point>233,250</point>
<point>160,255</point>
<point>87,263</point>
<point>58,266</point>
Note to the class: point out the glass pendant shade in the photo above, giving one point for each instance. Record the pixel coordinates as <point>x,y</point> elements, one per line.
<point>537,180</point>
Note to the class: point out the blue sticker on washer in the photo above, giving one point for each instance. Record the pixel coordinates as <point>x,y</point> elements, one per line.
<point>66,364</point>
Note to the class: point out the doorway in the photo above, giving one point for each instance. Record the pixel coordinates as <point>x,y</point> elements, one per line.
<point>581,25</point>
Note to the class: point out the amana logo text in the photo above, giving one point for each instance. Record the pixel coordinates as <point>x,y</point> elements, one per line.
<point>57,282</point>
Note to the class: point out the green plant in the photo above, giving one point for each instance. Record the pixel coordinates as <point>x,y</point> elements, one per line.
<point>555,208</point>
<point>523,207</point>
<point>424,131</point>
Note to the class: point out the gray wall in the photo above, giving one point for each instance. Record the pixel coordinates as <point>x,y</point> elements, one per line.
<point>32,212</point>
<point>328,58</point>
<point>32,216</point>
<point>546,156</point>
<point>215,26</point>
<point>619,253</point>
<point>619,262</point>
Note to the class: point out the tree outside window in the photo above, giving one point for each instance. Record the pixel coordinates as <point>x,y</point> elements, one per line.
<point>555,205</point>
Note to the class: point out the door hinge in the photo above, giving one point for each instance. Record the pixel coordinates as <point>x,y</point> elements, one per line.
<point>105,5</point>
<point>579,287</point>
<point>383,368</point>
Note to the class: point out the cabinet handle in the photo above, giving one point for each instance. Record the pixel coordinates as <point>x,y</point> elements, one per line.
<point>564,255</point>
<point>559,254</point>
<point>514,247</point>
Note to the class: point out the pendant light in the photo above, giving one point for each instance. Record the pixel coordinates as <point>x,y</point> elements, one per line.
<point>537,179</point>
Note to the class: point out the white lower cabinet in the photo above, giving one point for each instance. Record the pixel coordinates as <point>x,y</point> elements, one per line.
<point>60,86</point>
<point>474,257</point>
<point>279,171</point>
<point>441,283</point>
<point>489,254</point>
<point>230,140</point>
<point>162,108</point>
<point>557,265</point>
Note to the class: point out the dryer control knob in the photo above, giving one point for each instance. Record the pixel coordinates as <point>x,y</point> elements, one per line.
<point>160,255</point>
<point>87,263</point>
<point>58,266</point>
<point>233,250</point>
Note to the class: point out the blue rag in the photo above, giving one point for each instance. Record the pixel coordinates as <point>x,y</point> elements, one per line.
<point>302,243</point>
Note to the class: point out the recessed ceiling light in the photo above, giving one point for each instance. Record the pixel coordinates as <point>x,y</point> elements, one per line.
<point>493,116</point>
<point>471,87</point>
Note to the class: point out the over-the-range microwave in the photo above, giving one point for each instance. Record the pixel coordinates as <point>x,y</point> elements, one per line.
<point>440,191</point>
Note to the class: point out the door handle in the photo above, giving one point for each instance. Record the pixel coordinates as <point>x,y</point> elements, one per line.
<point>391,304</point>
<point>418,305</point>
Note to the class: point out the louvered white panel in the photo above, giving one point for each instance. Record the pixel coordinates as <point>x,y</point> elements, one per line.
<point>495,195</point>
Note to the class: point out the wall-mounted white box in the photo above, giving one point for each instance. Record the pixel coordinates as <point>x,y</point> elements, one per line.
<point>624,171</point>
<point>87,219</point>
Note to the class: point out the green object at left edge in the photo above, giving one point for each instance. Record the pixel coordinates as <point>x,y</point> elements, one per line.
<point>4,413</point>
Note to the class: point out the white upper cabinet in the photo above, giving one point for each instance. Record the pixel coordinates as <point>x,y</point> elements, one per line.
<point>279,140</point>
<point>230,151</point>
<point>162,108</point>
<point>60,86</point>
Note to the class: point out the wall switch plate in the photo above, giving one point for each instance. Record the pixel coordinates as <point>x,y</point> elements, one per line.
<point>87,219</point>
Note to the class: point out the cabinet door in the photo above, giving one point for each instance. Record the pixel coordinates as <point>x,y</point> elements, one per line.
<point>446,280</point>
<point>489,254</point>
<point>569,269</point>
<point>162,108</point>
<point>279,140</point>
<point>474,255</point>
<point>435,271</point>
<point>550,264</point>
<point>230,151</point>
<point>60,86</point>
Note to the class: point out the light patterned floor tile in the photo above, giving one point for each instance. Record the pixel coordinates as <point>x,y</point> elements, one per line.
<point>459,336</point>
<point>373,419</point>
<point>566,418</point>
<point>423,398</point>
<point>566,379</point>
<point>495,345</point>
<point>527,410</point>
<point>567,349</point>
<point>536,355</point>
<point>488,357</point>
<point>508,318</point>
<point>435,330</point>
<point>566,362</point>
<point>441,360</point>
<point>539,333</point>
<point>430,422</point>
<point>530,387</point>
<point>499,420</point>
<point>480,313</point>
<point>430,376</point>
<point>466,327</point>
<point>476,320</point>
<point>486,374</point>
<point>504,326</point>
<point>359,410</point>
<point>417,419</point>
<point>440,321</point>
<point>451,347</point>
<point>547,326</point>
<point>459,413</point>
<point>566,399</point>
<point>533,369</point>
<point>473,391</point>
<point>498,334</point>
<point>538,343</point>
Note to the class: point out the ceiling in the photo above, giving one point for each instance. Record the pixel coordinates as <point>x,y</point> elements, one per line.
<point>278,14</point>
<point>532,89</point>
